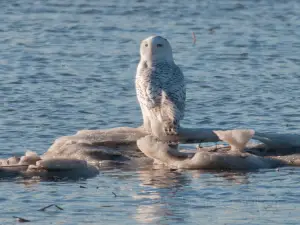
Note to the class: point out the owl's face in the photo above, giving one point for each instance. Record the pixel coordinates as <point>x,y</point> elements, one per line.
<point>156,48</point>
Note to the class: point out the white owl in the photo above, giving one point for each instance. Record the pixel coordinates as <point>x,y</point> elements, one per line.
<point>160,87</point>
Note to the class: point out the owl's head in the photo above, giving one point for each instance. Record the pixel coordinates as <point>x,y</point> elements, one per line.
<point>156,48</point>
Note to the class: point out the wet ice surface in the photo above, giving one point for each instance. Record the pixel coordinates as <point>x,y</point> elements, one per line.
<point>67,66</point>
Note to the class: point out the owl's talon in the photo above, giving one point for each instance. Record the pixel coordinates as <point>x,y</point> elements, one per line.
<point>171,131</point>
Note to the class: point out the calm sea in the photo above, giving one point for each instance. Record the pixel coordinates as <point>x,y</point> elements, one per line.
<point>70,65</point>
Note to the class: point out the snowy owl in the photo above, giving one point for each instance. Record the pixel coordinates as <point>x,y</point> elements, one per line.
<point>160,87</point>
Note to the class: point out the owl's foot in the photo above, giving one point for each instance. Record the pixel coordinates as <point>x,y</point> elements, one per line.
<point>171,144</point>
<point>171,128</point>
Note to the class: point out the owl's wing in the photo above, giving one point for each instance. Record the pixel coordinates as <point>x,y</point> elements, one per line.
<point>174,92</point>
<point>148,88</point>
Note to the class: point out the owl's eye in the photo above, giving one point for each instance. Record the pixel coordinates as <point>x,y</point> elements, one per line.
<point>146,45</point>
<point>159,45</point>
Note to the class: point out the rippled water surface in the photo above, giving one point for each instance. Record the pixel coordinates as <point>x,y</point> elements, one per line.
<point>70,65</point>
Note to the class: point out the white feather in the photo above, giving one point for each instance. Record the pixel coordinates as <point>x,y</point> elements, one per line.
<point>160,86</point>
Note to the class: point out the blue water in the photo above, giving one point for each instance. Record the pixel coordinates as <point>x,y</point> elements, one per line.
<point>70,65</point>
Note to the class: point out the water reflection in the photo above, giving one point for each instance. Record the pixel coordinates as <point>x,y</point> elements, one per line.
<point>162,177</point>
<point>154,194</point>
<point>159,199</point>
<point>165,189</point>
<point>235,177</point>
<point>160,212</point>
<point>232,177</point>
